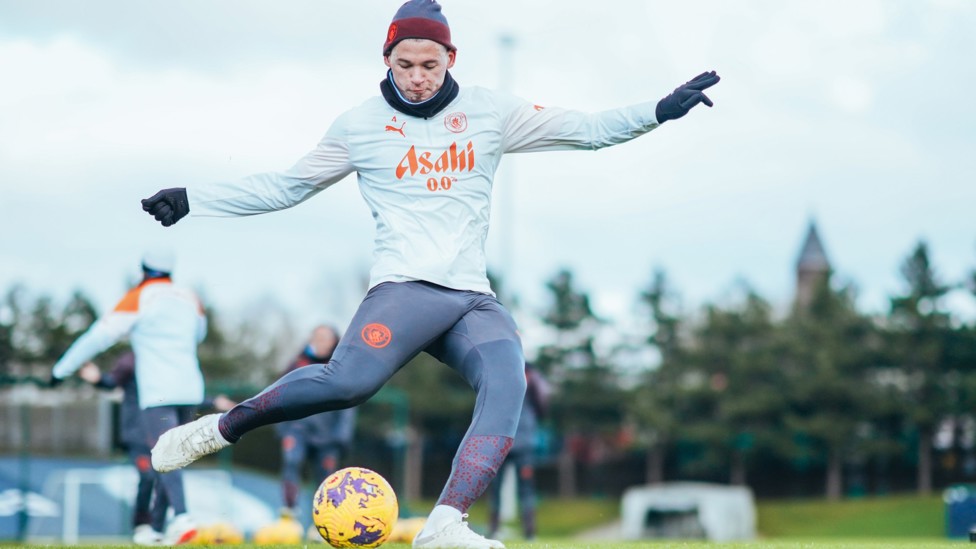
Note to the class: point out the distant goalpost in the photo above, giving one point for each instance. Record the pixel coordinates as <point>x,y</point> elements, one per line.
<point>71,482</point>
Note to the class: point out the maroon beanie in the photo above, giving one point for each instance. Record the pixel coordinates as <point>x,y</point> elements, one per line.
<point>418,19</point>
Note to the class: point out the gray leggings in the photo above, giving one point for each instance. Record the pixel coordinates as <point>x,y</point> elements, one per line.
<point>469,331</point>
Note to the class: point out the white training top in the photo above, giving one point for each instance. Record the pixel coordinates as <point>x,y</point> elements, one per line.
<point>164,324</point>
<point>427,181</point>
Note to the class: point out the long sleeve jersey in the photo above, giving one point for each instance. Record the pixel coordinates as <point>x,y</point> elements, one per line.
<point>165,323</point>
<point>427,181</point>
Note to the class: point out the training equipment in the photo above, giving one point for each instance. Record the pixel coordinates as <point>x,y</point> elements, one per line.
<point>686,96</point>
<point>406,529</point>
<point>716,512</point>
<point>221,533</point>
<point>284,531</point>
<point>355,507</point>
<point>168,205</point>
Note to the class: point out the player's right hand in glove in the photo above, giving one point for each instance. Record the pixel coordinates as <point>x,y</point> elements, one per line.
<point>686,96</point>
<point>168,205</point>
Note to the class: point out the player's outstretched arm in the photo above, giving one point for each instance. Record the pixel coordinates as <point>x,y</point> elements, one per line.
<point>686,96</point>
<point>168,205</point>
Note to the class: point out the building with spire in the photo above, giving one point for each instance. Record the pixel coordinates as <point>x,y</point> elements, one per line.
<point>812,268</point>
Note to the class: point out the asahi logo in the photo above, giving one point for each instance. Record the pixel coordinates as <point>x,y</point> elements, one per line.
<point>426,162</point>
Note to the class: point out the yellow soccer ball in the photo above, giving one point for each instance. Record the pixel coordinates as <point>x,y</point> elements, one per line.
<point>407,529</point>
<point>284,531</point>
<point>355,507</point>
<point>221,533</point>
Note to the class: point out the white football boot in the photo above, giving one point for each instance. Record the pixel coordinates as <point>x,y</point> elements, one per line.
<point>455,535</point>
<point>182,445</point>
<point>181,530</point>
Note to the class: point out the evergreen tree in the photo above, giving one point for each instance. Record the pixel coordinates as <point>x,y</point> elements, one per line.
<point>50,330</point>
<point>654,402</point>
<point>742,390</point>
<point>239,360</point>
<point>588,401</point>
<point>919,328</point>
<point>828,363</point>
<point>10,316</point>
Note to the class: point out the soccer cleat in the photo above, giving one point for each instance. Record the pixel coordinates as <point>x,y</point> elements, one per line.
<point>181,530</point>
<point>146,536</point>
<point>182,445</point>
<point>456,535</point>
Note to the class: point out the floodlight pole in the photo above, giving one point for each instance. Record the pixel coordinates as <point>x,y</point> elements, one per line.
<point>506,42</point>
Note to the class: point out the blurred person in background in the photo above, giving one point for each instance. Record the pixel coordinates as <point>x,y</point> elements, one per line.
<point>132,432</point>
<point>425,151</point>
<point>323,439</point>
<point>133,438</point>
<point>535,406</point>
<point>164,323</point>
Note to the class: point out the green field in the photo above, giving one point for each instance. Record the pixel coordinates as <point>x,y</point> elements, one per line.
<point>876,518</point>
<point>555,544</point>
<point>867,523</point>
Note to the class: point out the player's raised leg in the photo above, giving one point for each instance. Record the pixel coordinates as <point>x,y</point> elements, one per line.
<point>383,336</point>
<point>187,443</point>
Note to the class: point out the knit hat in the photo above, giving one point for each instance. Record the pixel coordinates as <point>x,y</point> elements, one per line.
<point>418,19</point>
<point>158,258</point>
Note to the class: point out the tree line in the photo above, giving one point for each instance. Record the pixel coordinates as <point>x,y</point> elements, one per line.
<point>737,388</point>
<point>725,392</point>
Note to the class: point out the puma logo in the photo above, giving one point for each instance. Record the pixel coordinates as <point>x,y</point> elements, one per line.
<point>399,130</point>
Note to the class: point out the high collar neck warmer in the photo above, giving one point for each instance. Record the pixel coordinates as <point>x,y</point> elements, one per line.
<point>424,109</point>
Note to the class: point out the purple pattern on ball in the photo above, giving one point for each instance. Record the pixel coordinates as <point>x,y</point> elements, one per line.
<point>349,485</point>
<point>367,536</point>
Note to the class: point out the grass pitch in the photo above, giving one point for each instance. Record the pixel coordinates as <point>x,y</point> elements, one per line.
<point>893,543</point>
<point>891,522</point>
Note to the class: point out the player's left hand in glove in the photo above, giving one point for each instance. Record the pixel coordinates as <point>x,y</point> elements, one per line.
<point>168,205</point>
<point>54,381</point>
<point>686,96</point>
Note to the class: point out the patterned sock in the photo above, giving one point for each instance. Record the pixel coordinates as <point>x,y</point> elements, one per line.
<point>476,465</point>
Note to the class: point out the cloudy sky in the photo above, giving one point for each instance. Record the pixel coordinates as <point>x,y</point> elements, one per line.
<point>855,113</point>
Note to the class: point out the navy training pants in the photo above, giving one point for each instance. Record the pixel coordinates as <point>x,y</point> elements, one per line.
<point>471,332</point>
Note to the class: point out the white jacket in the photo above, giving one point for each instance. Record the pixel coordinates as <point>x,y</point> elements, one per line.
<point>165,323</point>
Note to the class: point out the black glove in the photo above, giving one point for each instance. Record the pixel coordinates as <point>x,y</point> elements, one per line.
<point>168,205</point>
<point>686,96</point>
<point>54,381</point>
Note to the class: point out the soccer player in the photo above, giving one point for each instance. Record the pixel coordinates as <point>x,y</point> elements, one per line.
<point>425,151</point>
<point>147,521</point>
<point>322,437</point>
<point>132,434</point>
<point>164,323</point>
